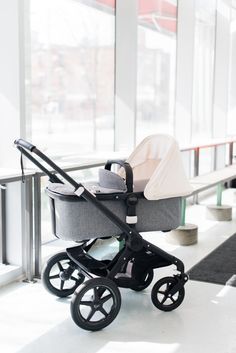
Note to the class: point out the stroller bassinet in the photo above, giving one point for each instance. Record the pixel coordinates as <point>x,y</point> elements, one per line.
<point>75,219</point>
<point>158,182</point>
<point>144,195</point>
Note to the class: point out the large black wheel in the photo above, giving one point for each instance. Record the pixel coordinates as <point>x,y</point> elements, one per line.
<point>145,281</point>
<point>95,304</point>
<point>61,276</point>
<point>161,297</point>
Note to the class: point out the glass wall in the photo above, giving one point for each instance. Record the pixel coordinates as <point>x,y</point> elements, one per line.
<point>72,76</point>
<point>157,23</point>
<point>231,126</point>
<point>73,73</point>
<point>72,82</point>
<point>203,69</point>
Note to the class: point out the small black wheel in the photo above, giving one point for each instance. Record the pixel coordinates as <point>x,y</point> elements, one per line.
<point>95,304</point>
<point>61,276</point>
<point>145,281</point>
<point>161,297</point>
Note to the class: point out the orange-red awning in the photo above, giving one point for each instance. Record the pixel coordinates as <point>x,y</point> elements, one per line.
<point>162,13</point>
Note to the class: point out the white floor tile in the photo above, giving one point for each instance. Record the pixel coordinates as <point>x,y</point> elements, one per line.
<point>33,321</point>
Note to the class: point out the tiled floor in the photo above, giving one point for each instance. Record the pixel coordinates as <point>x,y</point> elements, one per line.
<point>33,321</point>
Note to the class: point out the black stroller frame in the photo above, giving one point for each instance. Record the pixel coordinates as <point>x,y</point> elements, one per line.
<point>105,276</point>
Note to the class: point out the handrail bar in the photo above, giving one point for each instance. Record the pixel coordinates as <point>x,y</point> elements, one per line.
<point>15,174</point>
<point>206,144</point>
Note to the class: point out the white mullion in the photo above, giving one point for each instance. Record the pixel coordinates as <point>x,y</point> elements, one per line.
<point>25,70</point>
<point>222,60</point>
<point>125,73</point>
<point>184,70</point>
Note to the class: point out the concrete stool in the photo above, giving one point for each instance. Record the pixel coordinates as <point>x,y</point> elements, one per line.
<point>219,212</point>
<point>186,233</point>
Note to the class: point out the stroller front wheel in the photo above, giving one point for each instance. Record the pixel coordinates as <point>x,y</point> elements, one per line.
<point>161,297</point>
<point>95,304</point>
<point>60,275</point>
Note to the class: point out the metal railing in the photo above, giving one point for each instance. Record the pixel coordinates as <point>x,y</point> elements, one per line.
<point>31,194</point>
<point>3,224</point>
<point>26,217</point>
<point>31,215</point>
<point>214,144</point>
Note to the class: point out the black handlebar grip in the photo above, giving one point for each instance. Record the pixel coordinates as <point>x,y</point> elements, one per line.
<point>25,144</point>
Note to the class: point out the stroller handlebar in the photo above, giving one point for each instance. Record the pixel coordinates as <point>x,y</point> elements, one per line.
<point>25,144</point>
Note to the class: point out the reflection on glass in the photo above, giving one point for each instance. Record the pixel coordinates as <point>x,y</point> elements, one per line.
<point>72,55</point>
<point>156,67</point>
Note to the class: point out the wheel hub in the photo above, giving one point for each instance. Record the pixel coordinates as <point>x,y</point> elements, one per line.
<point>96,306</point>
<point>64,276</point>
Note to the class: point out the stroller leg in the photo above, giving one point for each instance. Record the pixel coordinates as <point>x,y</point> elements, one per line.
<point>171,259</point>
<point>123,259</point>
<point>168,293</point>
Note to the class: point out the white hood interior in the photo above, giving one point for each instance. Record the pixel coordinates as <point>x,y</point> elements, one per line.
<point>158,159</point>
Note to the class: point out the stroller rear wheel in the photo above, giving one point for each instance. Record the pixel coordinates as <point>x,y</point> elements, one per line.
<point>60,276</point>
<point>95,304</point>
<point>161,297</point>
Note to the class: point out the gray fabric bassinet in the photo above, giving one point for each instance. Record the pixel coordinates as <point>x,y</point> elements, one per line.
<point>153,173</point>
<point>75,219</point>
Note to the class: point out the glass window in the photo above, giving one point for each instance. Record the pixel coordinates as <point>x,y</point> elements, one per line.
<point>72,82</point>
<point>206,157</point>
<point>204,50</point>
<point>231,126</point>
<point>72,76</point>
<point>156,67</point>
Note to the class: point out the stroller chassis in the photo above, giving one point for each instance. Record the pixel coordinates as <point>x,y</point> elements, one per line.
<point>167,294</point>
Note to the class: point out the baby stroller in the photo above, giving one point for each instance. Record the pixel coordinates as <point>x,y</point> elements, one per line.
<point>143,195</point>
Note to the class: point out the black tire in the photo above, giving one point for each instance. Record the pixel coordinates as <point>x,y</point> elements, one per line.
<point>60,275</point>
<point>160,293</point>
<point>95,293</point>
<point>145,282</point>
